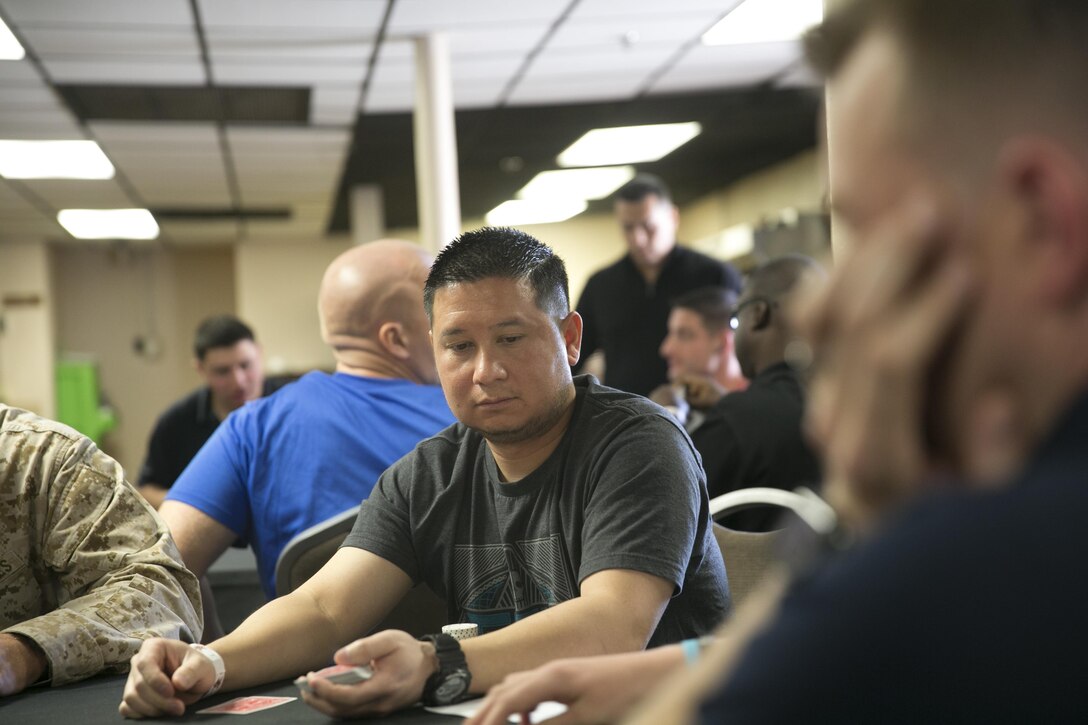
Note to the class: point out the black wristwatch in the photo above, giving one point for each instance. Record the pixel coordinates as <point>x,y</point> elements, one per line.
<point>450,683</point>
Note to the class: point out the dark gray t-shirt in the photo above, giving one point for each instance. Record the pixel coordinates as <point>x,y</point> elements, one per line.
<point>624,490</point>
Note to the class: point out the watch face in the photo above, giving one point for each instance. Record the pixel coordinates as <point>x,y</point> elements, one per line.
<point>453,686</point>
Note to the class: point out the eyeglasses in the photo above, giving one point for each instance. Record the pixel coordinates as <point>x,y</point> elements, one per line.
<point>734,314</point>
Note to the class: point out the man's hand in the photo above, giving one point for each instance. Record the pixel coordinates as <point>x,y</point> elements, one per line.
<point>401,665</point>
<point>166,676</point>
<point>21,663</point>
<point>594,689</point>
<point>879,333</point>
<point>701,391</point>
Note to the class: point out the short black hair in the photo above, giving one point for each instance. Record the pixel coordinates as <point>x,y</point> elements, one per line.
<point>220,331</point>
<point>713,305</point>
<point>778,277</point>
<point>642,186</point>
<point>501,252</point>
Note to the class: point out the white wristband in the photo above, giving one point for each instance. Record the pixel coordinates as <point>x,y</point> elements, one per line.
<point>217,663</point>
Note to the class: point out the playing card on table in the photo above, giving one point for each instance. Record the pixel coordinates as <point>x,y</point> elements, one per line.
<point>245,705</point>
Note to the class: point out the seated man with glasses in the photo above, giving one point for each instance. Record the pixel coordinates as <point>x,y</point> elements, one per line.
<point>753,437</point>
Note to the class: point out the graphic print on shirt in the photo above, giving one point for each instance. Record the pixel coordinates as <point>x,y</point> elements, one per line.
<point>498,584</point>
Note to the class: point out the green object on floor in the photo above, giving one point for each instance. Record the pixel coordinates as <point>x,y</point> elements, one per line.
<point>78,403</point>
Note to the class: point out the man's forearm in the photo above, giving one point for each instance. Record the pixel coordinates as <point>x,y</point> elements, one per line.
<point>153,494</point>
<point>576,628</point>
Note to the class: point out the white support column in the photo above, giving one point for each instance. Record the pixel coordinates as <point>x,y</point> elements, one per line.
<point>437,187</point>
<point>367,213</point>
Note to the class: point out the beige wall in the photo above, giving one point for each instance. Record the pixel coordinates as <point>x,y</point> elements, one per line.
<point>26,334</point>
<point>108,295</point>
<point>277,285</point>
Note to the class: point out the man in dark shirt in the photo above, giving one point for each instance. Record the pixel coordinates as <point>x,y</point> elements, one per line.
<point>753,437</point>
<point>228,358</point>
<point>625,306</point>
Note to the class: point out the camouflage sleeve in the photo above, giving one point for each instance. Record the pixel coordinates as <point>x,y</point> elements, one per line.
<point>117,576</point>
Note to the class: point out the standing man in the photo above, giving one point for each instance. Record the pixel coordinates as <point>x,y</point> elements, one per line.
<point>227,356</point>
<point>699,351</point>
<point>625,306</point>
<point>561,516</point>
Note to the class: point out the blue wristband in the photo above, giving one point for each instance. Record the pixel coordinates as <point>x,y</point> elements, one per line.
<point>691,649</point>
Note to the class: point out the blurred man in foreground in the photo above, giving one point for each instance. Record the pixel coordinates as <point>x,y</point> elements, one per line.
<point>952,360</point>
<point>87,570</point>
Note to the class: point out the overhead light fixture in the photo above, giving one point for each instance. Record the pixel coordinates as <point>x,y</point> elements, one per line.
<point>518,212</point>
<point>53,160</point>
<point>765,21</point>
<point>586,184</point>
<point>109,223</point>
<point>10,49</point>
<point>628,144</point>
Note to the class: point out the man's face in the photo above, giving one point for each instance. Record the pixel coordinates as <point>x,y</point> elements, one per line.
<point>874,173</point>
<point>234,374</point>
<point>689,348</point>
<point>649,228</point>
<point>504,363</point>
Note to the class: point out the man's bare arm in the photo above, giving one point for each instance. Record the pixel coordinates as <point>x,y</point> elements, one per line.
<point>153,493</point>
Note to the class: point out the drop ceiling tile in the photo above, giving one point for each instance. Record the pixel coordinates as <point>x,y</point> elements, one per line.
<point>18,229</point>
<point>156,136</point>
<point>52,42</point>
<point>727,66</point>
<point>637,31</point>
<point>334,14</point>
<point>628,8</point>
<point>29,96</point>
<point>103,12</point>
<point>390,98</point>
<point>633,62</point>
<point>415,16</point>
<point>14,72</point>
<point>246,45</point>
<point>12,203</point>
<point>220,231</point>
<point>160,70</point>
<point>61,128</point>
<point>287,140</point>
<point>81,193</point>
<point>272,71</point>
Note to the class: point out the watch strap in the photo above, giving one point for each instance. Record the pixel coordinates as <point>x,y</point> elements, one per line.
<point>451,660</point>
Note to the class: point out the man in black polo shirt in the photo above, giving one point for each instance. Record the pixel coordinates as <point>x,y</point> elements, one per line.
<point>625,306</point>
<point>229,360</point>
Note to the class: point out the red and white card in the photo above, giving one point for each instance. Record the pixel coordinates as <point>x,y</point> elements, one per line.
<point>245,705</point>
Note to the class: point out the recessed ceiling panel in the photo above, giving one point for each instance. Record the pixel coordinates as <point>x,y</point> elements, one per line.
<point>57,43</point>
<point>115,13</point>
<point>415,16</point>
<point>295,14</point>
<point>158,70</point>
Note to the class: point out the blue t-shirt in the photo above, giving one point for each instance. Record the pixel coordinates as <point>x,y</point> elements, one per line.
<point>314,449</point>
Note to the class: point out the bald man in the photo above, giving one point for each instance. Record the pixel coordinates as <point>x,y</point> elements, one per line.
<point>316,447</point>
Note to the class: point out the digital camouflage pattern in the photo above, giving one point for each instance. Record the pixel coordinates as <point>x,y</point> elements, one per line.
<point>87,569</point>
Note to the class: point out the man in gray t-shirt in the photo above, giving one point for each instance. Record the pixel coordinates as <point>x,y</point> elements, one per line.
<point>563,517</point>
<point>617,493</point>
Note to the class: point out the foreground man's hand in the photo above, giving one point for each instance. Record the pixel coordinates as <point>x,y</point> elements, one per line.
<point>887,317</point>
<point>166,676</point>
<point>594,689</point>
<point>401,665</point>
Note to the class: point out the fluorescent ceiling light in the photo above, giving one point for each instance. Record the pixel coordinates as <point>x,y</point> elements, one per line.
<point>596,183</point>
<point>109,223</point>
<point>53,160</point>
<point>765,21</point>
<point>628,144</point>
<point>517,212</point>
<point>9,46</point>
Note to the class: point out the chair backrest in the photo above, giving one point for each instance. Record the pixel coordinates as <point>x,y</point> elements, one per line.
<point>749,555</point>
<point>308,550</point>
<point>809,507</point>
<point>748,558</point>
<point>420,612</point>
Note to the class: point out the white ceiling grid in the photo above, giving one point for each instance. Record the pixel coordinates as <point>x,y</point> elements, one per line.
<point>502,51</point>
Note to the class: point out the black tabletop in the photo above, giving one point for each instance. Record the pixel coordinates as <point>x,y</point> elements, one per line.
<point>95,701</point>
